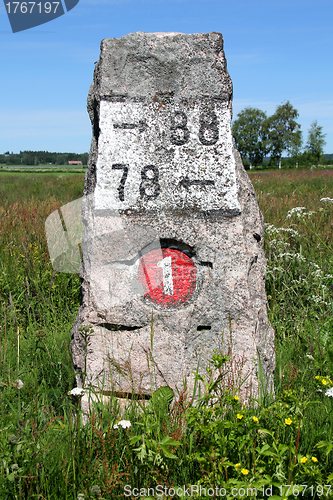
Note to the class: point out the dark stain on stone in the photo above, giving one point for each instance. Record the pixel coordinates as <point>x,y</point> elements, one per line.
<point>115,328</point>
<point>206,264</point>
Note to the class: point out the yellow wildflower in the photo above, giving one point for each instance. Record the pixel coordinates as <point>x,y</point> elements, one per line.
<point>237,465</point>
<point>324,382</point>
<point>239,416</point>
<point>236,398</point>
<point>317,377</point>
<point>245,472</point>
<point>254,419</point>
<point>314,459</point>
<point>288,421</point>
<point>303,460</point>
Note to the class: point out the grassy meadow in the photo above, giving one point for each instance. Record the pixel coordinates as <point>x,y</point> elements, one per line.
<point>278,448</point>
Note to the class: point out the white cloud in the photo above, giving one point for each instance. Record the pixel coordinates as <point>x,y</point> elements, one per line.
<point>44,123</point>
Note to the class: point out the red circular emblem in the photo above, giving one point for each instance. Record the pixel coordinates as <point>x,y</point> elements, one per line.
<point>168,277</point>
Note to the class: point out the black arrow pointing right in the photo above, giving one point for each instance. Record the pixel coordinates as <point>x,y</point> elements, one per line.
<point>142,126</point>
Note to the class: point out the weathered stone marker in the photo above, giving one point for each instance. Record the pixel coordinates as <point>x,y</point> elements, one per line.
<point>173,246</point>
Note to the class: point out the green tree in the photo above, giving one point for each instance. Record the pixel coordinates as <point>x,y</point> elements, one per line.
<point>316,142</point>
<point>283,132</point>
<point>249,136</point>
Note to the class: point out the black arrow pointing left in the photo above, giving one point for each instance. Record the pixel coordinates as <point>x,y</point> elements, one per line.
<point>186,183</point>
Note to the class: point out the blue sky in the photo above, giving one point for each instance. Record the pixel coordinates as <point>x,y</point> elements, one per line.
<point>276,50</point>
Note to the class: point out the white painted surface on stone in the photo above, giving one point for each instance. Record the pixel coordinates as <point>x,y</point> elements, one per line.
<point>166,265</point>
<point>212,167</point>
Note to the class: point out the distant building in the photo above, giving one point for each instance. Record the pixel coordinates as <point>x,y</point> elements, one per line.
<point>75,163</point>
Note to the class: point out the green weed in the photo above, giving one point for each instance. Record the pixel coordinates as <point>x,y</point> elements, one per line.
<point>218,442</point>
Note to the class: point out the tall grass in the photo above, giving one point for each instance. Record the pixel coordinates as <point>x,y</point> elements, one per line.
<point>45,449</point>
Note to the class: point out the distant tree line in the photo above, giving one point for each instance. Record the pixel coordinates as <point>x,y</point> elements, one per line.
<point>41,158</point>
<point>258,136</point>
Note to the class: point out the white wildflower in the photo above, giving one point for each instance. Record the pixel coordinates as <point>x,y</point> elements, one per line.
<point>314,264</point>
<point>271,229</point>
<point>295,211</point>
<point>278,269</point>
<point>77,391</point>
<point>289,256</point>
<point>272,242</point>
<point>318,300</point>
<point>297,282</point>
<point>318,273</point>
<point>310,357</point>
<point>330,200</point>
<point>324,336</point>
<point>329,392</point>
<point>19,383</point>
<point>289,230</point>
<point>309,213</point>
<point>95,490</point>
<point>125,424</point>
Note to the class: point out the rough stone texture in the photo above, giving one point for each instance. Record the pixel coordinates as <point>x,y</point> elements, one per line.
<point>164,180</point>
